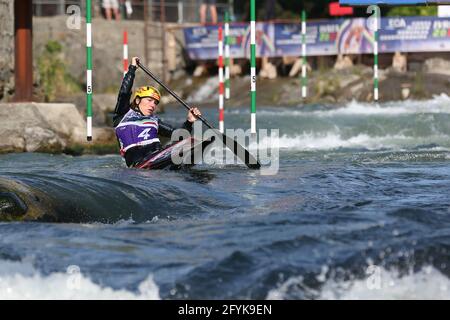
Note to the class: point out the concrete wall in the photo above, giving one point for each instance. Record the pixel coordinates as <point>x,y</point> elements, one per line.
<point>108,48</point>
<point>6,48</point>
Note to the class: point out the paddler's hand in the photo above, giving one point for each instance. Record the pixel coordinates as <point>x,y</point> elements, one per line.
<point>134,61</point>
<point>193,114</point>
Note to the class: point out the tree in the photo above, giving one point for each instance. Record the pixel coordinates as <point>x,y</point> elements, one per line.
<point>413,11</point>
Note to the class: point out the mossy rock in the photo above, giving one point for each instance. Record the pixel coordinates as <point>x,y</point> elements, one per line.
<point>95,149</point>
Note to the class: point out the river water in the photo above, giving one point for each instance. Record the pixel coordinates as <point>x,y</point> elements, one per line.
<point>359,208</point>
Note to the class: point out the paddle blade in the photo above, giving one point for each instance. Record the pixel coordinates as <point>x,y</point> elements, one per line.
<point>243,154</point>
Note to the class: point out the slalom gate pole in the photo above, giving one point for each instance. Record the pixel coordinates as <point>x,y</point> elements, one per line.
<point>253,65</point>
<point>221,83</point>
<point>304,56</point>
<point>375,60</point>
<point>125,52</point>
<point>89,89</point>
<point>227,56</point>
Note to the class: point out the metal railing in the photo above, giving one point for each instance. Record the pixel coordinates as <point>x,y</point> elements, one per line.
<point>175,11</point>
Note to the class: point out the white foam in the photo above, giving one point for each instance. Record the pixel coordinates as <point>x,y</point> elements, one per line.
<point>428,283</point>
<point>207,92</point>
<point>21,281</point>
<point>309,141</point>
<point>438,105</point>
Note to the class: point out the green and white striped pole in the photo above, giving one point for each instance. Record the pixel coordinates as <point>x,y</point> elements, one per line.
<point>304,62</point>
<point>253,65</point>
<point>227,55</point>
<point>375,58</point>
<point>89,68</point>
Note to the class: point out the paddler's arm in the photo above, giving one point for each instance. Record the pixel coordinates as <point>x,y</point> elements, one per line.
<point>123,100</point>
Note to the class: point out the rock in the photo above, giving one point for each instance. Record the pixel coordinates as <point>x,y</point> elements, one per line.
<point>40,127</point>
<point>437,66</point>
<point>329,86</point>
<point>11,142</point>
<point>406,91</point>
<point>343,62</point>
<point>367,71</point>
<point>297,67</point>
<point>321,87</point>
<point>329,99</point>
<point>357,88</point>
<point>200,71</point>
<point>104,135</point>
<point>177,74</point>
<point>399,62</point>
<point>63,119</point>
<point>20,202</point>
<point>344,81</point>
<point>288,60</point>
<point>235,70</point>
<point>269,71</point>
<point>38,139</point>
<point>382,75</point>
<point>103,105</point>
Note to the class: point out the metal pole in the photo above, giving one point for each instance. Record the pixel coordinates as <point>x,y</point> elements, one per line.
<point>150,13</point>
<point>163,39</point>
<point>62,7</point>
<point>83,5</point>
<point>23,33</point>
<point>180,11</point>
<point>146,5</point>
<point>304,62</point>
<point>231,8</point>
<point>38,9</point>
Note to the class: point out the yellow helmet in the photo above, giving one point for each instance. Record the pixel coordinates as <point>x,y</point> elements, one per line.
<point>148,91</point>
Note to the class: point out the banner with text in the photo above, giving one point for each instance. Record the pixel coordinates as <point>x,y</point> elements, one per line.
<point>331,37</point>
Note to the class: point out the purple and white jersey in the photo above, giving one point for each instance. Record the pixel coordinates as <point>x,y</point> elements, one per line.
<point>137,130</point>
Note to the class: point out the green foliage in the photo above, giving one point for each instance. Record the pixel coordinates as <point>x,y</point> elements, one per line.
<point>413,11</point>
<point>54,79</point>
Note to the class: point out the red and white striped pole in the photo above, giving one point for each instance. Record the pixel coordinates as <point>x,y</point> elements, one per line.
<point>221,81</point>
<point>125,53</point>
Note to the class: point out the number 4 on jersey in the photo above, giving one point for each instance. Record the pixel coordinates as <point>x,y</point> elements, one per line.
<point>145,134</point>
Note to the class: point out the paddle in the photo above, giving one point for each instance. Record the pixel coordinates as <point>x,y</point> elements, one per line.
<point>232,144</point>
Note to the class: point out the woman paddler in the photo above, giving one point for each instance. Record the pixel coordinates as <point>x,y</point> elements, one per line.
<point>137,127</point>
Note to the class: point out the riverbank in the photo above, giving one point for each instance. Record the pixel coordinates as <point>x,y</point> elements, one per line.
<point>325,86</point>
